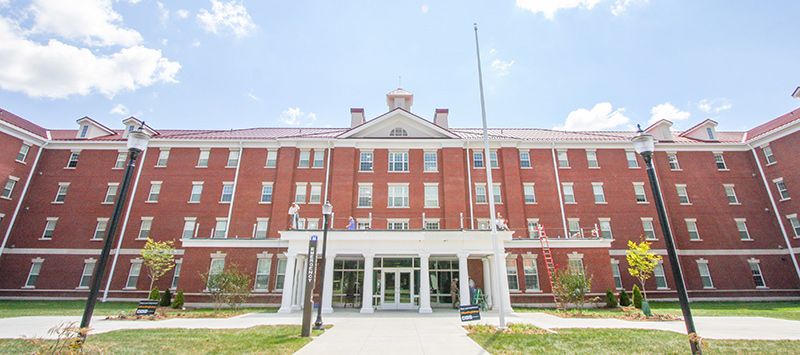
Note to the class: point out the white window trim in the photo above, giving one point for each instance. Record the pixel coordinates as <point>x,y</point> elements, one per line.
<point>139,232</point>
<point>563,193</point>
<point>558,161</point>
<point>127,278</point>
<point>191,193</point>
<point>635,159</point>
<point>47,222</point>
<point>158,160</point>
<point>595,159</point>
<point>726,186</point>
<point>263,184</point>
<point>114,197</point>
<point>677,162</point>
<point>231,152</point>
<point>677,191</point>
<point>604,202</point>
<point>390,163</point>
<point>705,262</point>
<point>222,192</point>
<point>425,188</point>
<point>408,195</point>
<point>11,192</point>
<point>649,219</point>
<point>300,186</point>
<point>96,229</point>
<point>757,262</point>
<point>644,191</point>
<point>436,154</point>
<point>200,155</point>
<point>696,229</point>
<point>37,260</point>
<point>371,193</point>
<point>723,161</point>
<point>60,185</point>
<point>311,190</point>
<point>525,196</point>
<point>150,191</point>
<point>746,230</point>
<point>766,157</point>
<point>266,161</point>
<point>372,162</point>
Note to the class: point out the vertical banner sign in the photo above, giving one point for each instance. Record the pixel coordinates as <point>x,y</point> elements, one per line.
<point>310,272</point>
<point>471,312</point>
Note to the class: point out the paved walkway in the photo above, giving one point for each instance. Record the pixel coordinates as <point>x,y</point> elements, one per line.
<point>393,332</point>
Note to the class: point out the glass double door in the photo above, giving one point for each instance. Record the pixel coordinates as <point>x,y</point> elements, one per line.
<point>397,289</point>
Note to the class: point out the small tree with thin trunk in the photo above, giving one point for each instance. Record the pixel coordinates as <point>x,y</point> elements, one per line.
<point>642,261</point>
<point>158,257</point>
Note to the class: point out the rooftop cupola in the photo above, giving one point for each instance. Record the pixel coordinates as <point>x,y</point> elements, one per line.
<point>400,98</point>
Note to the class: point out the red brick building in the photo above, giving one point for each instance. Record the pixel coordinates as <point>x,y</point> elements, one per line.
<point>417,191</point>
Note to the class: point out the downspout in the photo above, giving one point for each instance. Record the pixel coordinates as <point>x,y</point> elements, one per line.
<point>469,191</point>
<point>235,183</point>
<point>560,191</point>
<point>21,198</point>
<point>328,172</point>
<point>775,208</point>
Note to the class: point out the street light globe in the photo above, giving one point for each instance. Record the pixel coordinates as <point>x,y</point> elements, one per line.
<point>138,139</point>
<point>327,208</point>
<point>643,142</point>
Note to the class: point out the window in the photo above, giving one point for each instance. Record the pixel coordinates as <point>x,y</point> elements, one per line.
<point>569,194</point>
<point>638,190</point>
<point>496,191</point>
<point>574,226</point>
<point>529,192</point>
<point>262,274</point>
<point>720,161</point>
<point>9,187</point>
<point>432,224</point>
<point>155,190</point>
<point>616,273</point>
<point>216,268</point>
<point>480,194</point>
<point>398,196</point>
<point>86,275</point>
<point>272,159</point>
<point>533,227</point>
<point>144,228</point>
<point>177,274</point>
<point>599,196</point>
<point>133,274</point>
<point>221,228</point>
<point>111,193</point>
<point>202,161</point>
<point>316,193</point>
<point>683,196</point>
<point>605,228</point>
<point>691,226</point>
<point>705,274</point>
<point>233,158</point>
<point>120,162</point>
<point>398,132</point>
<point>305,157</point>
<point>397,224</point>
<point>398,161</point>
<point>319,159</point>
<point>731,194</point>
<point>163,157</point>
<point>563,160</point>
<point>591,158</point>
<point>262,224</point>
<point>768,154</point>
<point>280,274</point>
<point>741,226</point>
<point>49,227</point>
<point>531,273</point>
<point>576,261</point>
<point>524,159</point>
<point>755,270</point>
<point>511,271</point>
<point>795,224</point>
<point>647,227</point>
<point>266,192</point>
<point>363,225</point>
<point>493,160</point>
<point>431,195</point>
<point>431,163</point>
<point>300,192</point>
<point>710,132</point>
<point>477,160</point>
<point>673,161</point>
<point>84,130</point>
<point>61,194</point>
<point>227,192</point>
<point>658,275</point>
<point>782,190</point>
<point>364,195</point>
<point>23,153</point>
<point>366,161</point>
<point>33,274</point>
<point>188,227</point>
<point>73,159</point>
<point>100,229</point>
<point>632,162</point>
<point>197,191</point>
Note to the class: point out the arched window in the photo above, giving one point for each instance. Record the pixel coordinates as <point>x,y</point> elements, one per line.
<point>398,132</point>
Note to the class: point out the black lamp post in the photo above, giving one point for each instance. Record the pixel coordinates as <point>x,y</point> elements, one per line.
<point>137,142</point>
<point>327,209</point>
<point>645,146</point>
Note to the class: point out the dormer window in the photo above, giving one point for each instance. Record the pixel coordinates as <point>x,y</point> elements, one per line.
<point>398,132</point>
<point>84,130</point>
<point>710,133</point>
<point>129,130</point>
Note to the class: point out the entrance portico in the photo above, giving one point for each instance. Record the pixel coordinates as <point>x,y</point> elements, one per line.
<point>397,269</point>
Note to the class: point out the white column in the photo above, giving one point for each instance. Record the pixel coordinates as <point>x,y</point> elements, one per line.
<point>487,282</point>
<point>504,287</point>
<point>495,283</point>
<point>327,293</point>
<point>299,285</point>
<point>288,284</point>
<point>366,299</point>
<point>463,278</point>
<point>424,284</point>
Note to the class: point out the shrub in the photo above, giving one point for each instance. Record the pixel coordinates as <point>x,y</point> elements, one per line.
<point>154,294</point>
<point>624,300</point>
<point>637,297</point>
<point>228,286</point>
<point>572,286</point>
<point>178,303</point>
<point>611,300</point>
<point>166,299</point>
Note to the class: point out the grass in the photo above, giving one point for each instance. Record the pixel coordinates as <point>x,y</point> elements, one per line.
<point>278,339</point>
<point>10,309</point>
<point>620,341</point>
<point>782,310</point>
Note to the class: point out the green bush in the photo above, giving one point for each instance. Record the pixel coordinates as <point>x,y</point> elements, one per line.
<point>154,294</point>
<point>166,299</point>
<point>624,300</point>
<point>637,297</point>
<point>178,303</point>
<point>611,300</point>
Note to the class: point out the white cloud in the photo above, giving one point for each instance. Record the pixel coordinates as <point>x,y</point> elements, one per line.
<point>196,43</point>
<point>164,42</point>
<point>120,109</point>
<point>182,13</point>
<point>230,16</point>
<point>252,96</point>
<point>667,112</point>
<point>549,7</point>
<point>134,1</point>
<point>714,105</point>
<point>621,5</point>
<point>424,9</point>
<point>295,117</point>
<point>501,67</point>
<point>92,22</point>
<point>162,11</point>
<point>598,118</point>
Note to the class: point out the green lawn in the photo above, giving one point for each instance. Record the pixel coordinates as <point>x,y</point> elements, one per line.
<point>783,310</point>
<point>621,341</point>
<point>279,339</point>
<point>10,309</point>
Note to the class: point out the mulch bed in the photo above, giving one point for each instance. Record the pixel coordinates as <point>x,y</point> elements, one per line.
<point>624,313</point>
<point>163,313</point>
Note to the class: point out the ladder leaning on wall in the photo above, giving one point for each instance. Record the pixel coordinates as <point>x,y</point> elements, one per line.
<point>551,267</point>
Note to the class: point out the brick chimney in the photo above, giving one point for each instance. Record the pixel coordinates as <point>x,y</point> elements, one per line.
<point>356,117</point>
<point>440,118</point>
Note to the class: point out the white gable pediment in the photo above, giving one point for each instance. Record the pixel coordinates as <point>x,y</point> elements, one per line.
<point>404,125</point>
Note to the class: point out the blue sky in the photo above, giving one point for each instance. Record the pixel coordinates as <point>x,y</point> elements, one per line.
<point>566,64</point>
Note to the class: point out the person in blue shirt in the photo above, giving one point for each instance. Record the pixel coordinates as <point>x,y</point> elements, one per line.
<point>351,224</point>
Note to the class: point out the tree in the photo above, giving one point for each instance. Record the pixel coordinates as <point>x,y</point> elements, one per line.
<point>572,286</point>
<point>228,286</point>
<point>642,261</point>
<point>159,257</point>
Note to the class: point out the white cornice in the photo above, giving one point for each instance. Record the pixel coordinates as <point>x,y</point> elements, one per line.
<point>233,243</point>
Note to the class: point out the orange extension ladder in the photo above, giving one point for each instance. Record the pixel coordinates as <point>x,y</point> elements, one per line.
<point>551,267</point>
